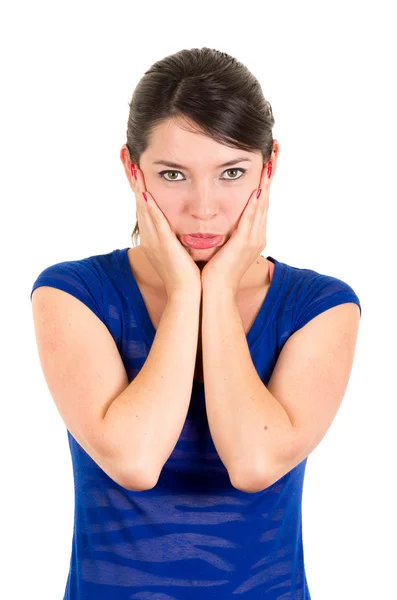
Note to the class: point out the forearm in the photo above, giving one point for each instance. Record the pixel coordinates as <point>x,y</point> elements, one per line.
<point>147,418</point>
<point>249,427</point>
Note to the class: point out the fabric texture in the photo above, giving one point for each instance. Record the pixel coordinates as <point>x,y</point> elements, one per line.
<point>193,536</point>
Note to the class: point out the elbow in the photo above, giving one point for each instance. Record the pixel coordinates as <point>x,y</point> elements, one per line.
<point>140,480</point>
<point>249,484</point>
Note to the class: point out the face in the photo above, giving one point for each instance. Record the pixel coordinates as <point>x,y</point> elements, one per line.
<point>199,195</point>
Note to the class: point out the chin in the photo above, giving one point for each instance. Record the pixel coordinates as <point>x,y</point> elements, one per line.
<point>202,254</point>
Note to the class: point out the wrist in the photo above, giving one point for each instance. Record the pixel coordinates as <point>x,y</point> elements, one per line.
<point>188,293</point>
<point>216,289</point>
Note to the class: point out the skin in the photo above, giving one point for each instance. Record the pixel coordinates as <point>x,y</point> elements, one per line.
<point>202,196</point>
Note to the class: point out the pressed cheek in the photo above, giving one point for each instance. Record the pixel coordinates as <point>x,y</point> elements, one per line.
<point>172,211</point>
<point>236,212</point>
<point>229,215</point>
<point>164,196</point>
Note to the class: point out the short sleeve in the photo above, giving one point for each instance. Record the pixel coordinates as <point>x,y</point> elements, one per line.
<point>321,293</point>
<point>79,278</point>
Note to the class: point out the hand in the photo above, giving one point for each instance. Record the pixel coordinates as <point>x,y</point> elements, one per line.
<point>226,268</point>
<point>167,255</point>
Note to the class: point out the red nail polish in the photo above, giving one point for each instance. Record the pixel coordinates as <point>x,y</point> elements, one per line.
<point>144,195</point>
<point>269,169</point>
<point>133,171</point>
<point>258,193</point>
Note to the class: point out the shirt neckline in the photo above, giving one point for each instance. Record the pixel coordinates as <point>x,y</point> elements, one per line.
<point>261,322</point>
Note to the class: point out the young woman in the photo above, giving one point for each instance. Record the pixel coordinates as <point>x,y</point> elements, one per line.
<point>194,375</point>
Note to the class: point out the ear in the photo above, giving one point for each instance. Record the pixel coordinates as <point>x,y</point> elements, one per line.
<point>274,156</point>
<point>125,159</point>
<point>264,178</point>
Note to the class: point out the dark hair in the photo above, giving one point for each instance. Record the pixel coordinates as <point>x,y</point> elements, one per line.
<point>207,87</point>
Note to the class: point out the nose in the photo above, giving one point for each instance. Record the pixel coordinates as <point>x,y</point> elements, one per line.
<point>204,202</point>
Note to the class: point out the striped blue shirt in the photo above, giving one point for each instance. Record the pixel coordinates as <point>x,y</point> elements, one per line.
<point>193,536</point>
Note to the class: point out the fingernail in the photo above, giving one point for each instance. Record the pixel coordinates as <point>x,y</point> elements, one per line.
<point>144,195</point>
<point>133,171</point>
<point>258,193</point>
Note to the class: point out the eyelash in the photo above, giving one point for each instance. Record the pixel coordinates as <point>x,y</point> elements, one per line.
<point>161,174</point>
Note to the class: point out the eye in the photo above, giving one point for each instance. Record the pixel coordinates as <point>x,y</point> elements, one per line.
<point>162,173</point>
<point>166,172</point>
<point>228,170</point>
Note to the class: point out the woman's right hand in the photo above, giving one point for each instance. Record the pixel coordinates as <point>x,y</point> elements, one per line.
<point>161,246</point>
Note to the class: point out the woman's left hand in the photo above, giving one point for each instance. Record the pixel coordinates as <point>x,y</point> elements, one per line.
<point>226,268</point>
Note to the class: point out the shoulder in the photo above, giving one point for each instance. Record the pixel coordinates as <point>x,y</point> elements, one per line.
<point>307,292</point>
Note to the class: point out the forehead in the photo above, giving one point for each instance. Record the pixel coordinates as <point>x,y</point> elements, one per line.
<point>183,142</point>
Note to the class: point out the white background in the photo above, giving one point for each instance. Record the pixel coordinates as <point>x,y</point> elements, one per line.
<point>68,72</point>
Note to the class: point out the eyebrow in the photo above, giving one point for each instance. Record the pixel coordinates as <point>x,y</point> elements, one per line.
<point>229,163</point>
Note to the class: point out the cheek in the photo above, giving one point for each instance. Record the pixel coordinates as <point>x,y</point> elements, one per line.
<point>235,213</point>
<point>171,212</point>
<point>176,210</point>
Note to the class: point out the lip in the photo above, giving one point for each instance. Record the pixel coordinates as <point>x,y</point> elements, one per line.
<point>203,235</point>
<point>200,243</point>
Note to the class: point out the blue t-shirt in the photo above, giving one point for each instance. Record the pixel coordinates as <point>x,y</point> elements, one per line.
<point>193,536</point>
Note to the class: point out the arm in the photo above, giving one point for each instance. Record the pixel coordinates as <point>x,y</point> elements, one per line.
<point>146,419</point>
<point>262,433</point>
<point>246,421</point>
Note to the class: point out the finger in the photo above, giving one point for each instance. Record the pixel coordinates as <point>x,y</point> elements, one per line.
<point>260,215</point>
<point>259,225</point>
<point>153,211</point>
<point>264,181</point>
<point>248,216</point>
<point>135,186</point>
<point>264,186</point>
<point>139,182</point>
<point>251,217</point>
<point>140,190</point>
<point>143,208</point>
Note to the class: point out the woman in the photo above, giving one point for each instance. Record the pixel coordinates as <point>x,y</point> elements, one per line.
<point>194,377</point>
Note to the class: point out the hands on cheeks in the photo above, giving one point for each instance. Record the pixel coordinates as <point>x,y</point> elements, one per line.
<point>226,268</point>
